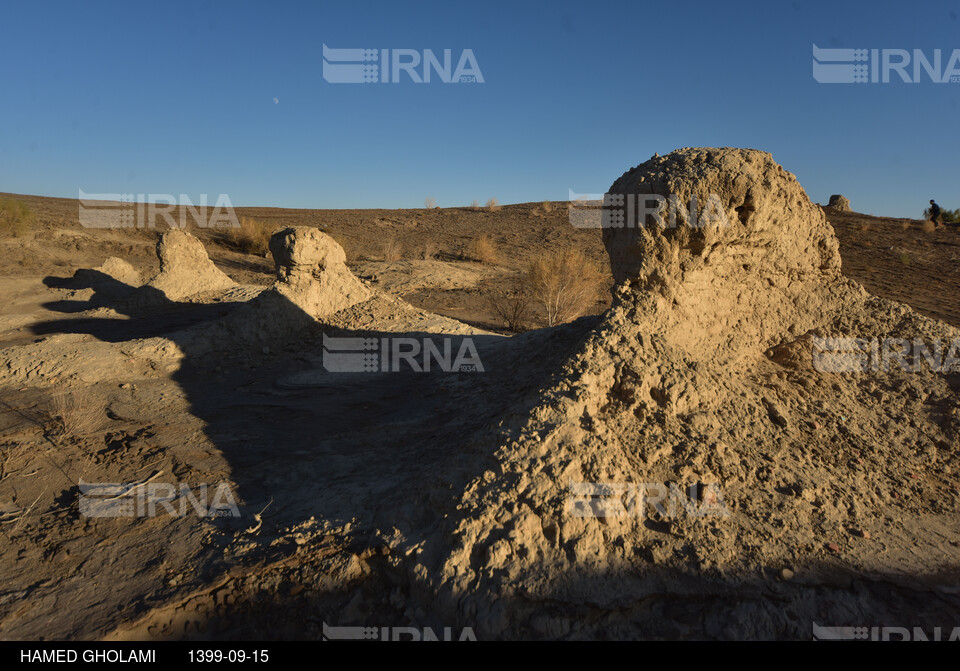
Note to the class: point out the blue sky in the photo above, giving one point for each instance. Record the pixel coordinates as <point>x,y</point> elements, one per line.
<point>178,97</point>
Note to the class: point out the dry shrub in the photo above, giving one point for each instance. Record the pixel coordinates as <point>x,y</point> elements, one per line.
<point>484,249</point>
<point>493,205</point>
<point>430,203</point>
<point>426,249</point>
<point>563,285</point>
<point>475,205</point>
<point>76,413</point>
<point>864,228</point>
<point>252,237</point>
<point>15,218</point>
<point>928,227</point>
<point>905,226</point>
<point>350,249</point>
<point>547,206</point>
<point>391,249</point>
<point>511,306</point>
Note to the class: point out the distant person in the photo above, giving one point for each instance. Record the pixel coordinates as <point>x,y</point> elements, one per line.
<point>935,213</point>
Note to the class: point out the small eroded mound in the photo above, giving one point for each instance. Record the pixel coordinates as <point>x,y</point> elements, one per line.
<point>185,268</point>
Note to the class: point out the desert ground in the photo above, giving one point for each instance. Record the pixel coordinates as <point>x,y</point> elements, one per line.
<point>443,499</point>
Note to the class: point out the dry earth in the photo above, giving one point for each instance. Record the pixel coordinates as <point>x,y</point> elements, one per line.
<point>444,499</point>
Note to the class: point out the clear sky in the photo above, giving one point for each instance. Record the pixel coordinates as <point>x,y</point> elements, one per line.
<point>228,97</point>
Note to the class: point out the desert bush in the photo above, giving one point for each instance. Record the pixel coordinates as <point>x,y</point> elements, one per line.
<point>562,285</point>
<point>475,205</point>
<point>928,227</point>
<point>484,249</point>
<point>76,413</point>
<point>426,249</point>
<point>252,237</point>
<point>391,249</point>
<point>430,203</point>
<point>493,205</point>
<point>15,218</point>
<point>350,249</point>
<point>511,306</point>
<point>946,216</point>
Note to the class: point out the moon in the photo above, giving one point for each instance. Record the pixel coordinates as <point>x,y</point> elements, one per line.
<point>276,101</point>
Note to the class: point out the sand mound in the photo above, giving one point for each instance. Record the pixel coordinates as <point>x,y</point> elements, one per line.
<point>185,268</point>
<point>699,387</point>
<point>759,261</point>
<point>121,271</point>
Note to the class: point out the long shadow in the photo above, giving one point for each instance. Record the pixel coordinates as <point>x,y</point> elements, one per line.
<point>361,453</point>
<point>377,459</point>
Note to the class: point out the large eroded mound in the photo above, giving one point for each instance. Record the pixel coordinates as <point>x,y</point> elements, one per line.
<point>703,378</point>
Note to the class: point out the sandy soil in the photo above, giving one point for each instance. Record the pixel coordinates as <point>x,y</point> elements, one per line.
<point>345,482</point>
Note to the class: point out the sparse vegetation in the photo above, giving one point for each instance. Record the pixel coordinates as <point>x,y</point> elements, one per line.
<point>547,206</point>
<point>430,203</point>
<point>427,249</point>
<point>946,216</point>
<point>75,413</point>
<point>484,250</point>
<point>475,205</point>
<point>252,237</point>
<point>15,218</point>
<point>391,249</point>
<point>511,306</point>
<point>563,285</point>
<point>493,205</point>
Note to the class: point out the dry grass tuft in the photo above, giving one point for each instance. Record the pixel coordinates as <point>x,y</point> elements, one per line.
<point>484,250</point>
<point>76,413</point>
<point>391,249</point>
<point>252,237</point>
<point>427,249</point>
<point>15,218</point>
<point>493,205</point>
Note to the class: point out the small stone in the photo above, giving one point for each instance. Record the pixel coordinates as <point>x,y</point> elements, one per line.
<point>833,547</point>
<point>125,385</point>
<point>266,349</point>
<point>786,574</point>
<point>296,589</point>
